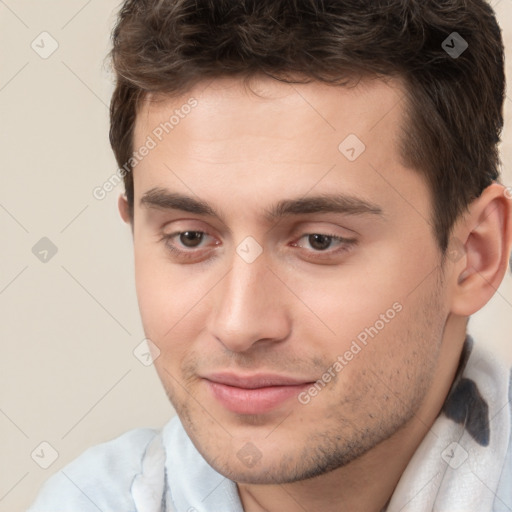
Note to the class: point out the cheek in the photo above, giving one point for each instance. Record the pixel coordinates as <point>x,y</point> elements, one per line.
<point>343,305</point>
<point>150,291</point>
<point>385,371</point>
<point>172,301</point>
<point>351,297</point>
<point>161,298</point>
<point>377,319</point>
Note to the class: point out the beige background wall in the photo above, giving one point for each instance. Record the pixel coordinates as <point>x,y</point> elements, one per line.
<point>68,375</point>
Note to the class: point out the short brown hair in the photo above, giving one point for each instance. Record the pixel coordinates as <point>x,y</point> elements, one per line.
<point>455,102</point>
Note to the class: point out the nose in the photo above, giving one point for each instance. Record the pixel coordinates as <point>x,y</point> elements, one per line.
<point>251,306</point>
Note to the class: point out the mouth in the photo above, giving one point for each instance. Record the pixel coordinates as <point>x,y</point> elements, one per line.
<point>253,394</point>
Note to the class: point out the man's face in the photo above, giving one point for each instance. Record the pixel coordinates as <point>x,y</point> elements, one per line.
<point>249,309</point>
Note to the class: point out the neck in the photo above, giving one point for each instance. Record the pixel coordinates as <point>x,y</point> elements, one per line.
<point>367,483</point>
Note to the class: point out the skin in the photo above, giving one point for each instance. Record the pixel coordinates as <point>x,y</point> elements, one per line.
<point>298,305</point>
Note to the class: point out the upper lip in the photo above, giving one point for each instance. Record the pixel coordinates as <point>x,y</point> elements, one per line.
<point>254,381</point>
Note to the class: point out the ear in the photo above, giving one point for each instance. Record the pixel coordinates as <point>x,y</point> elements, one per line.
<point>485,239</point>
<point>124,210</point>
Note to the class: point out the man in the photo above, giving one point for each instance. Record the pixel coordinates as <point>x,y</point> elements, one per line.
<point>312,188</point>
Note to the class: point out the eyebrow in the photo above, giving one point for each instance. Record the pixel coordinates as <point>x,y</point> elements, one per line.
<point>160,198</point>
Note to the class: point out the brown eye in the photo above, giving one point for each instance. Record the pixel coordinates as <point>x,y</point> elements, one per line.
<point>324,246</point>
<point>191,238</point>
<point>188,246</point>
<point>320,242</point>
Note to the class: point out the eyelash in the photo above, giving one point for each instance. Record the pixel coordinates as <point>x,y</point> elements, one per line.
<point>346,244</point>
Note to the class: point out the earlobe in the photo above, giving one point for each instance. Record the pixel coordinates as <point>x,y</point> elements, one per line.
<point>487,238</point>
<point>122,205</point>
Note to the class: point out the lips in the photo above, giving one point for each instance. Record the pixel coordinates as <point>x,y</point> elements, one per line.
<point>253,394</point>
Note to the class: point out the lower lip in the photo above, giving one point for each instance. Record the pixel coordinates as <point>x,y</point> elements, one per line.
<point>253,401</point>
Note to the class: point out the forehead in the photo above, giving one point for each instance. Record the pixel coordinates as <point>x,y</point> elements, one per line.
<point>264,106</point>
<point>265,138</point>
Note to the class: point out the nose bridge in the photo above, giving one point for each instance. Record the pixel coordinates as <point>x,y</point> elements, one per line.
<point>248,307</point>
<point>243,294</point>
<point>246,280</point>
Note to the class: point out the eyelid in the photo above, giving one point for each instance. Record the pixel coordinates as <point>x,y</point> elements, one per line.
<point>329,235</point>
<point>174,234</point>
<point>344,244</point>
<point>187,255</point>
<point>326,228</point>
